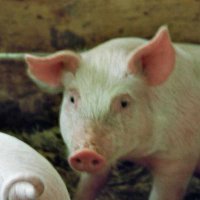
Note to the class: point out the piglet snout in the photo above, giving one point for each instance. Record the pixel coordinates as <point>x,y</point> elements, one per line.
<point>87,161</point>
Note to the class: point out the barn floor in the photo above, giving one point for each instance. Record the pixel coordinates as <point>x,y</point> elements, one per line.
<point>127,181</point>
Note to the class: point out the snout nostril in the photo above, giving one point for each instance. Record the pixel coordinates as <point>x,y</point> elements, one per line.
<point>95,162</point>
<point>78,160</point>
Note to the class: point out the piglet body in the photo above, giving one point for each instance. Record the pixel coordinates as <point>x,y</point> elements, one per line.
<point>128,98</point>
<point>26,175</point>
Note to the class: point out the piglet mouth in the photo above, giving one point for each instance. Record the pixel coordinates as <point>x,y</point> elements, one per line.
<point>87,160</point>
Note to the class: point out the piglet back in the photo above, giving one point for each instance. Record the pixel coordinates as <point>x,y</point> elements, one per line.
<point>22,186</point>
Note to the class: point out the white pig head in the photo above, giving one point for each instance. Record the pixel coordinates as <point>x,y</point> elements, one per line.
<point>105,104</point>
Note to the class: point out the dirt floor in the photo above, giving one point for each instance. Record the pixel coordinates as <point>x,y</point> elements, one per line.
<point>127,181</point>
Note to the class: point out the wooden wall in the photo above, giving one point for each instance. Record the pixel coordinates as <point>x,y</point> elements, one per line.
<point>49,25</point>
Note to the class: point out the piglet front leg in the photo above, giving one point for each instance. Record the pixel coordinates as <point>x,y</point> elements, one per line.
<point>90,185</point>
<point>171,179</point>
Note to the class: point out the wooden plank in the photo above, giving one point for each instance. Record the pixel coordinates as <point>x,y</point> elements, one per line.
<point>49,25</point>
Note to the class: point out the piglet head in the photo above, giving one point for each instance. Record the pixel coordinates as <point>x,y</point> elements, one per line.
<point>105,113</point>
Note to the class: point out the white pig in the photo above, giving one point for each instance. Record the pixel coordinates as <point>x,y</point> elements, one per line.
<point>26,175</point>
<point>128,98</point>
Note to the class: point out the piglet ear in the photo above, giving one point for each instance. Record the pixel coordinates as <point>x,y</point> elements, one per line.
<point>155,60</point>
<point>49,70</point>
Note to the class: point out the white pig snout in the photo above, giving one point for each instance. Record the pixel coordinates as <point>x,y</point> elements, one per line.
<point>86,160</point>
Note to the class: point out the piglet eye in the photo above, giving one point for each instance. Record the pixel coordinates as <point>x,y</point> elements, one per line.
<point>124,104</point>
<point>72,99</point>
